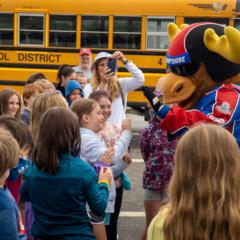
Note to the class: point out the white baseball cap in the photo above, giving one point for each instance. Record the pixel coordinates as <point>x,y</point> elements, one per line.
<point>99,56</point>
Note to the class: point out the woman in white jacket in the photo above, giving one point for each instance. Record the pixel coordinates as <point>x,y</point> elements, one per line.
<point>117,88</point>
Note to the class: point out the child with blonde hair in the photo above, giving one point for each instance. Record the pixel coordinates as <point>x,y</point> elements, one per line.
<point>204,190</point>
<point>41,104</point>
<point>46,85</point>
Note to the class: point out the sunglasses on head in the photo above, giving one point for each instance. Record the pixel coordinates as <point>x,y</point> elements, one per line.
<point>185,69</point>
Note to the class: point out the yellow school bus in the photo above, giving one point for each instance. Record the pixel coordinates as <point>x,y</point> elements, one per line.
<point>38,36</point>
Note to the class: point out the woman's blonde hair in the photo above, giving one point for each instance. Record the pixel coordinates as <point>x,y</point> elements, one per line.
<point>204,190</point>
<point>83,106</point>
<point>41,104</point>
<point>114,88</point>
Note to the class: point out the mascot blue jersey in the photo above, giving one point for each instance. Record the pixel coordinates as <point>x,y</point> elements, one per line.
<point>220,106</point>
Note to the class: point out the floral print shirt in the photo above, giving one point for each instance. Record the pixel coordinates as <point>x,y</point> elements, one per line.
<point>158,154</point>
<point>110,134</point>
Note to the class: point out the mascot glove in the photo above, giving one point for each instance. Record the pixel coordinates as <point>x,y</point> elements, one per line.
<point>160,109</point>
<point>154,101</point>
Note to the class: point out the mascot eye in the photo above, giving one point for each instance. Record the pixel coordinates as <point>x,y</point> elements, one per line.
<point>185,70</point>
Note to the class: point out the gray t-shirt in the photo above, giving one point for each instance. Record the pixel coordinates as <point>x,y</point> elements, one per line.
<point>87,73</point>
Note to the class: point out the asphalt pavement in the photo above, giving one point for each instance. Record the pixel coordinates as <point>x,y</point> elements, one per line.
<point>132,218</point>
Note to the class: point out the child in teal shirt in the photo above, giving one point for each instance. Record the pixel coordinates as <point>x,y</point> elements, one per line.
<point>59,184</point>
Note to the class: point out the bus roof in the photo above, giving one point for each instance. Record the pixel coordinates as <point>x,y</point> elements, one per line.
<point>222,8</point>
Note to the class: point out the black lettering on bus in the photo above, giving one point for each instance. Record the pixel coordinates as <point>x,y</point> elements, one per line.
<point>160,61</point>
<point>3,57</point>
<point>58,56</point>
<point>42,58</point>
<point>51,58</point>
<point>21,57</point>
<point>30,57</point>
<point>36,57</point>
<point>7,59</point>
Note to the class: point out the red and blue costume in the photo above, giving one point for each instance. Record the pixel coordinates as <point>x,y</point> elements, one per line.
<point>204,83</point>
<point>220,106</point>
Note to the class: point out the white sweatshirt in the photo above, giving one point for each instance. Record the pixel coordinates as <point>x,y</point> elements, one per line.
<point>127,84</point>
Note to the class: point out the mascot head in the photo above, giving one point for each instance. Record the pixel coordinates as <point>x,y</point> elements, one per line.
<point>200,57</point>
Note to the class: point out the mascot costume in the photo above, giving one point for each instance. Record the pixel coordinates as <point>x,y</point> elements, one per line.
<point>204,64</point>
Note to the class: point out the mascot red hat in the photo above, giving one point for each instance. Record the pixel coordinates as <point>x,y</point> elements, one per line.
<point>204,64</point>
<point>188,51</point>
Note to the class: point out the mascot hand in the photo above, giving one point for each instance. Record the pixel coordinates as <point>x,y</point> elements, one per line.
<point>154,101</point>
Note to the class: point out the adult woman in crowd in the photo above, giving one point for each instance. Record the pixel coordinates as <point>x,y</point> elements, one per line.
<point>117,88</point>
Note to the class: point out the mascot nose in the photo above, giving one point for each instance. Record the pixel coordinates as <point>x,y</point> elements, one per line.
<point>177,88</point>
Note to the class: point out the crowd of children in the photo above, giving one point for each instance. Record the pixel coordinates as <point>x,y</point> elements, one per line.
<point>64,149</point>
<point>62,157</point>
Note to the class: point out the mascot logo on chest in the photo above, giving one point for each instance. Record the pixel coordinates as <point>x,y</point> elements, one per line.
<point>204,66</point>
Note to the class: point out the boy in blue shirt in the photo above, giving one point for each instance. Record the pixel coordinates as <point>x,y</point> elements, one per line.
<point>11,227</point>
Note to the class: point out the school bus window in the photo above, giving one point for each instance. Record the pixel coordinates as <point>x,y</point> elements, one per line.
<point>238,6</point>
<point>62,31</point>
<point>6,29</point>
<point>31,29</point>
<point>127,32</point>
<point>222,21</point>
<point>237,23</point>
<point>94,32</point>
<point>157,37</point>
